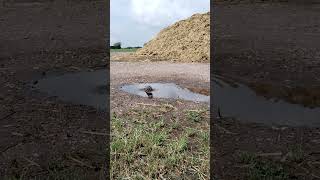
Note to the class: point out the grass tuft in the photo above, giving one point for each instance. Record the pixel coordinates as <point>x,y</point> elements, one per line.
<point>195,115</point>
<point>147,144</point>
<point>263,169</point>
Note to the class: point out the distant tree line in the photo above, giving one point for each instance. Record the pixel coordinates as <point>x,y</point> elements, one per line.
<point>118,46</point>
<point>136,47</point>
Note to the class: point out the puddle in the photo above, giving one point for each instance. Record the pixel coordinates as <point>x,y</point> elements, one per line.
<point>89,88</point>
<point>165,90</point>
<point>233,99</point>
<point>85,88</point>
<point>239,101</point>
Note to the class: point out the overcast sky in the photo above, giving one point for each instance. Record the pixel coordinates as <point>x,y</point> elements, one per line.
<point>135,22</point>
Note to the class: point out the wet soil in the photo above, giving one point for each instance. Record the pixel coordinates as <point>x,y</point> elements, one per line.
<point>42,136</point>
<point>273,48</point>
<point>161,72</point>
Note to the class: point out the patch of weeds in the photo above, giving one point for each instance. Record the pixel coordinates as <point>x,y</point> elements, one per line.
<point>246,157</point>
<point>175,125</point>
<point>204,135</point>
<point>144,146</point>
<point>190,132</point>
<point>167,107</point>
<point>179,145</point>
<point>194,115</point>
<point>57,170</point>
<point>260,170</point>
<point>204,149</point>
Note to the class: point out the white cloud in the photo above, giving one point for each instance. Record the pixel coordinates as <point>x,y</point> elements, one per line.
<point>134,22</point>
<point>164,12</point>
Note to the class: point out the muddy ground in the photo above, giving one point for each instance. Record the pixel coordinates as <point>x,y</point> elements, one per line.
<point>274,48</point>
<point>183,74</point>
<point>42,136</point>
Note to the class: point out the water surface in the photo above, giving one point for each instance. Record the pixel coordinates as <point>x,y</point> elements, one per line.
<point>239,101</point>
<point>85,88</point>
<point>232,99</point>
<point>165,90</point>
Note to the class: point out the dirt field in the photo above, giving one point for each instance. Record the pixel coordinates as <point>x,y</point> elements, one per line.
<point>274,49</point>
<point>40,136</point>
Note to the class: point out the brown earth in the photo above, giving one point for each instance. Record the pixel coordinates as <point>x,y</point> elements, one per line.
<point>42,137</point>
<point>185,41</point>
<point>274,48</point>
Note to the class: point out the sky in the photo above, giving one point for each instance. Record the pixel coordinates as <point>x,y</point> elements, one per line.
<point>135,22</point>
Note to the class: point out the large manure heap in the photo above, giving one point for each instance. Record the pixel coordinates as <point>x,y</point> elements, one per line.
<point>185,41</point>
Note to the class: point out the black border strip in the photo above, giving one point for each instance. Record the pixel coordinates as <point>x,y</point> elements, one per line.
<point>212,60</point>
<point>108,118</point>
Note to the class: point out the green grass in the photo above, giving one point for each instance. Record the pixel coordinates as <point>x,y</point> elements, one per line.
<point>124,50</point>
<point>149,143</point>
<point>194,115</point>
<point>260,169</point>
<point>247,158</point>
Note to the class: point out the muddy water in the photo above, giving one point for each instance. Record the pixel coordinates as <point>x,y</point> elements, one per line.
<point>239,101</point>
<point>231,98</point>
<point>85,88</point>
<point>89,88</point>
<point>165,90</point>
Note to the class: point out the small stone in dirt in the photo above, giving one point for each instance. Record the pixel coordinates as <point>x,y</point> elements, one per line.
<point>35,82</point>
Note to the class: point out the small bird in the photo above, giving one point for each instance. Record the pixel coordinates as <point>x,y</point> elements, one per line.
<point>148,90</point>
